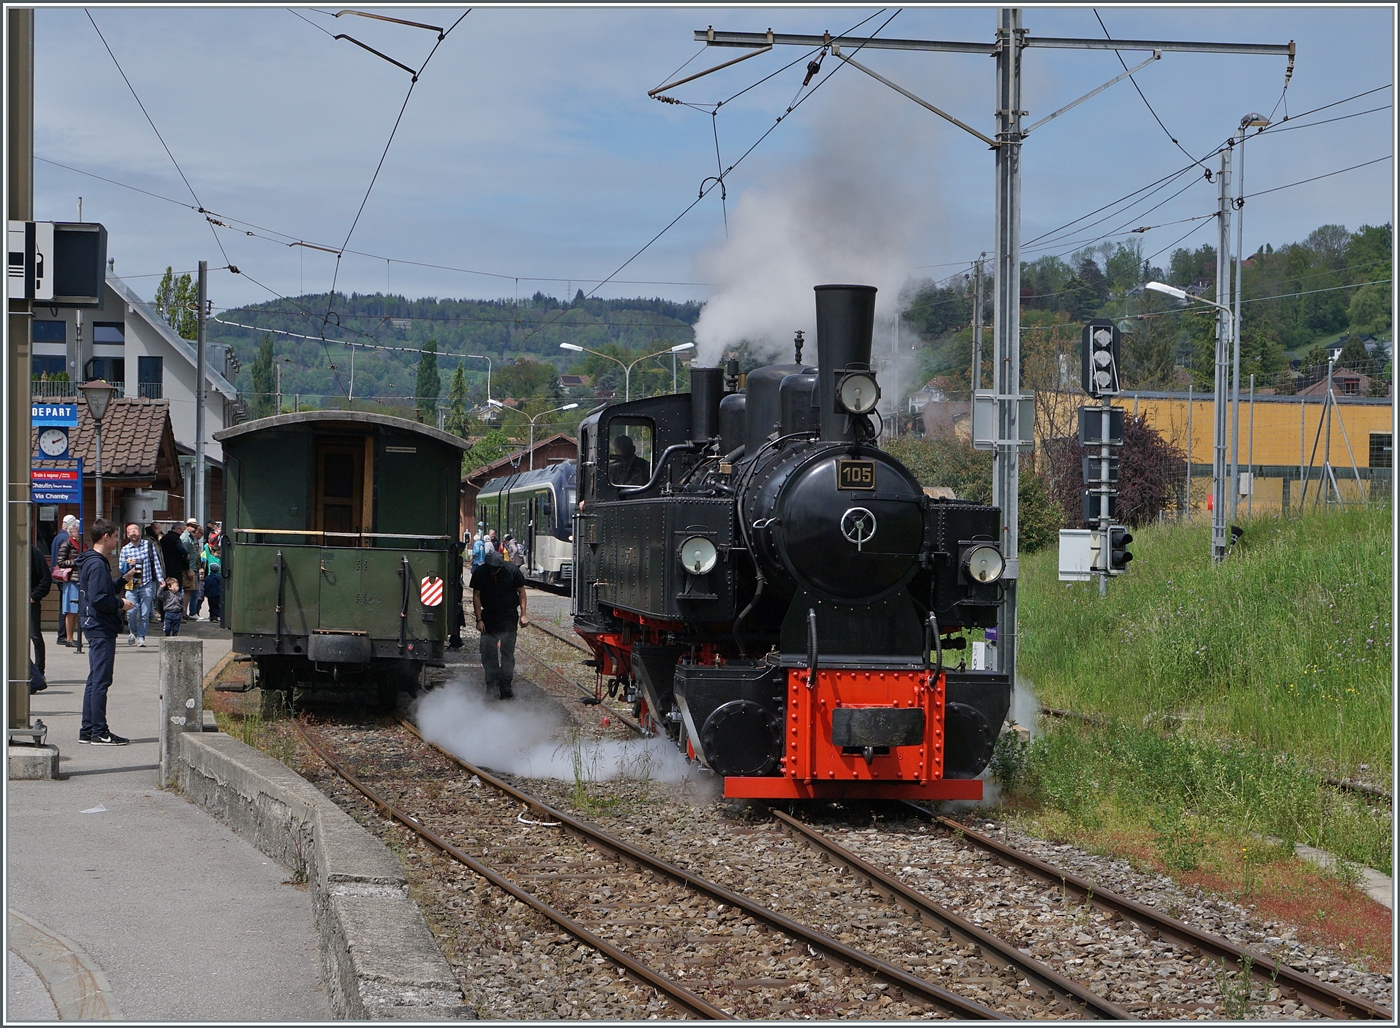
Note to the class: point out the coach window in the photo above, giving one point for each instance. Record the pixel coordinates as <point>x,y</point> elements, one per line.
<point>630,450</point>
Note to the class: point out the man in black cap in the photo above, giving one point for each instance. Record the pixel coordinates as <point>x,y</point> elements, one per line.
<point>626,467</point>
<point>498,588</point>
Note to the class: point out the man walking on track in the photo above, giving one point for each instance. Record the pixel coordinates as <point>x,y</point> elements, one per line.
<point>102,608</point>
<point>498,589</point>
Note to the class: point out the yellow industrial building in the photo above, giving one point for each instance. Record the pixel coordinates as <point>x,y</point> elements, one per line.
<point>1282,441</point>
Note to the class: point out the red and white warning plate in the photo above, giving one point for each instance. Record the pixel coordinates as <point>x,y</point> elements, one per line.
<point>431,591</point>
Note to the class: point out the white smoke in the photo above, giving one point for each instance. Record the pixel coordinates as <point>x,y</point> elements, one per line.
<point>850,213</point>
<point>528,736</point>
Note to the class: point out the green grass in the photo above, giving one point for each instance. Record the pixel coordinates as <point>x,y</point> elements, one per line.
<point>1285,646</point>
<point>1226,693</point>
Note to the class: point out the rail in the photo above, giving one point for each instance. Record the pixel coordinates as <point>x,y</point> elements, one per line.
<point>682,997</point>
<point>965,931</point>
<point>1324,998</point>
<point>952,1002</point>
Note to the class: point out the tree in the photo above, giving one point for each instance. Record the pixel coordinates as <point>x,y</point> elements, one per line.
<point>1329,242</point>
<point>1354,356</point>
<point>488,449</point>
<point>458,422</point>
<point>1148,472</point>
<point>1369,312</point>
<point>177,301</point>
<point>524,378</point>
<point>428,385</point>
<point>264,399</point>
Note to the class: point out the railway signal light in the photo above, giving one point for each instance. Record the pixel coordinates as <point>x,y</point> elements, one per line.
<point>1118,555</point>
<point>1100,344</point>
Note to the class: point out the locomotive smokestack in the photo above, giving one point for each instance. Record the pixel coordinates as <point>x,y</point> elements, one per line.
<point>706,391</point>
<point>845,327</point>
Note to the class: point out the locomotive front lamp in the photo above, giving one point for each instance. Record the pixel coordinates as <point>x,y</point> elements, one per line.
<point>698,555</point>
<point>857,392</point>
<point>983,564</point>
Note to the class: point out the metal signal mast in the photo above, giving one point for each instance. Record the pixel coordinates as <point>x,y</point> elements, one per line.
<point>1011,40</point>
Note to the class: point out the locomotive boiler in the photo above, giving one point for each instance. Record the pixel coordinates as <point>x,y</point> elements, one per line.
<point>776,593</point>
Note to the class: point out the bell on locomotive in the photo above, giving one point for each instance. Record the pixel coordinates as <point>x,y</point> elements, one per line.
<point>780,594</point>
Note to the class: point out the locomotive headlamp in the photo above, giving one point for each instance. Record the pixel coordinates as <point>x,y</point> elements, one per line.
<point>857,392</point>
<point>983,564</point>
<point>698,555</point>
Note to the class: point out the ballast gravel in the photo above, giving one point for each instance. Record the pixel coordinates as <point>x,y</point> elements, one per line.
<point>516,965</point>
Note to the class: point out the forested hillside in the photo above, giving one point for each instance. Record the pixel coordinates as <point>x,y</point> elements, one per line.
<point>398,328</point>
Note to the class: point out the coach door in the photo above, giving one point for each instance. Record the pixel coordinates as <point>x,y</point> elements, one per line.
<point>344,490</point>
<point>343,508</point>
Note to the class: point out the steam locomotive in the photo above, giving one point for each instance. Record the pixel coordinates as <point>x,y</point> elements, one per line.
<point>775,593</point>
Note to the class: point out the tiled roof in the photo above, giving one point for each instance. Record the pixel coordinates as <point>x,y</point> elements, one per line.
<point>514,457</point>
<point>132,433</point>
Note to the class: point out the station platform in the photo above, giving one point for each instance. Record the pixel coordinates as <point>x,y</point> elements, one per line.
<point>128,902</point>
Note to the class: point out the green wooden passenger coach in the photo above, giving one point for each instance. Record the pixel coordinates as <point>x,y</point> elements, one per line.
<point>341,559</point>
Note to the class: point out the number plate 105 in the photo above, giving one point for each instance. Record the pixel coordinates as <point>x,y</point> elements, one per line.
<point>855,474</point>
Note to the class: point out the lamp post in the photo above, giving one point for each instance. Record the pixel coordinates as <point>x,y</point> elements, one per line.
<point>1218,469</point>
<point>627,368</point>
<point>98,395</point>
<point>567,406</point>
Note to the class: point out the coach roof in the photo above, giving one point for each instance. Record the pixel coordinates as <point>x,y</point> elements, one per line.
<point>340,417</point>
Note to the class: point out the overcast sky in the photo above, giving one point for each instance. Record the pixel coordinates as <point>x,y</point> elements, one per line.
<point>529,147</point>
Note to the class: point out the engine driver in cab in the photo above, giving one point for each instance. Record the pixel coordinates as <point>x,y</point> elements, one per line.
<point>626,468</point>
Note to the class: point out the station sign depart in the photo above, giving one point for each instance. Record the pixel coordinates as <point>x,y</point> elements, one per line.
<point>56,485</point>
<point>61,415</point>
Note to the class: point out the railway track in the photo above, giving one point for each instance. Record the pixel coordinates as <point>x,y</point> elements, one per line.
<point>1321,996</point>
<point>1211,955</point>
<point>1121,934</point>
<point>749,959</point>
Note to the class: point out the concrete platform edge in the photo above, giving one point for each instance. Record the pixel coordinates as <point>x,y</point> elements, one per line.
<point>379,957</point>
<point>77,986</point>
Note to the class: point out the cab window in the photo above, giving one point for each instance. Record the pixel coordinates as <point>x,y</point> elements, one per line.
<point>630,443</point>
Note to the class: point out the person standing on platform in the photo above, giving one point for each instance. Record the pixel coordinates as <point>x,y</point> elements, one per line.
<point>67,529</point>
<point>40,583</point>
<point>140,554</point>
<point>189,539</point>
<point>172,553</point>
<point>171,600</point>
<point>68,554</point>
<point>102,609</point>
<point>498,589</point>
<point>212,563</point>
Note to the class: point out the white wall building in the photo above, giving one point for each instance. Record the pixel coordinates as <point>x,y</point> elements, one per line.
<point>127,343</point>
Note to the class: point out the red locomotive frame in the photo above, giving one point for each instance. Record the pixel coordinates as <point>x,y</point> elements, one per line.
<point>812,766</point>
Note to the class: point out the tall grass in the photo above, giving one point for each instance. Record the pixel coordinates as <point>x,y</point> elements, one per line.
<point>1285,646</point>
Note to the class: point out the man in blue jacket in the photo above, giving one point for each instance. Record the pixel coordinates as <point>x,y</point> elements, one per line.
<point>101,606</point>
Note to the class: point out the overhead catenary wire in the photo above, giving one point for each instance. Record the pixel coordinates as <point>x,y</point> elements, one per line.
<point>1133,80</point>
<point>694,203</point>
<point>151,121</point>
<point>384,155</point>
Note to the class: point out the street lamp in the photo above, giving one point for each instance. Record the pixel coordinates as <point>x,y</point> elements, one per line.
<point>627,368</point>
<point>98,395</point>
<point>1217,520</point>
<point>483,357</point>
<point>567,406</point>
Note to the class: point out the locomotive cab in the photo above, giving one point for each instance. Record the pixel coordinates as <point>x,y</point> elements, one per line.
<point>775,594</point>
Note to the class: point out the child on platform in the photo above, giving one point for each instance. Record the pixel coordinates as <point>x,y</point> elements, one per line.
<point>170,598</point>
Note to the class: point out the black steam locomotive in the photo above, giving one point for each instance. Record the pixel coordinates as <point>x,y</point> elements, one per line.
<point>776,593</point>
